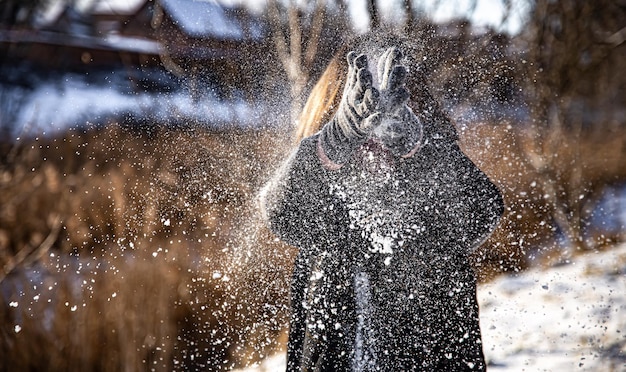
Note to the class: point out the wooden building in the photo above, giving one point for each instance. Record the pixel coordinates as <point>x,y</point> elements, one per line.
<point>180,34</point>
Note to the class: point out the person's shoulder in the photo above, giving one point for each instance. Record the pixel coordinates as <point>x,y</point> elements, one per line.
<point>308,145</point>
<point>310,141</point>
<point>438,146</point>
<point>306,152</point>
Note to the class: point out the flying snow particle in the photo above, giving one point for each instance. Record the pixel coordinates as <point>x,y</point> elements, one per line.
<point>316,275</point>
<point>17,328</point>
<point>13,304</point>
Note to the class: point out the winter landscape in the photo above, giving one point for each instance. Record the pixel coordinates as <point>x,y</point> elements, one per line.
<point>135,137</point>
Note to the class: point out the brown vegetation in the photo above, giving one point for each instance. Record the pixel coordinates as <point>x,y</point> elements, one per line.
<point>527,227</point>
<point>574,52</point>
<point>131,250</point>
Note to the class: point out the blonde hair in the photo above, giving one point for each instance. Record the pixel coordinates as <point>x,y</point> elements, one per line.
<point>324,99</point>
<point>325,96</point>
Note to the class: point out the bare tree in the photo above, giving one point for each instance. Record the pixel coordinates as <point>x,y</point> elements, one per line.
<point>296,51</point>
<point>372,8</point>
<point>410,14</point>
<point>571,48</point>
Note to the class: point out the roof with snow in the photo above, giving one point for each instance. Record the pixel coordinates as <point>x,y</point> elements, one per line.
<point>125,7</point>
<point>203,19</point>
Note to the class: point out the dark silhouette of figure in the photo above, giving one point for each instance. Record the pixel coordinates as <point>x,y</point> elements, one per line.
<point>385,209</point>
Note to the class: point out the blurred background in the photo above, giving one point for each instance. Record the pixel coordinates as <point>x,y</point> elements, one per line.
<point>135,135</point>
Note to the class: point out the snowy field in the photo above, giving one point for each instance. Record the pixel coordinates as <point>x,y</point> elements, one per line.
<point>565,318</point>
<point>54,103</point>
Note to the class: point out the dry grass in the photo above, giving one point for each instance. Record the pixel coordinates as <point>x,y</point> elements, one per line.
<point>133,250</point>
<point>596,156</point>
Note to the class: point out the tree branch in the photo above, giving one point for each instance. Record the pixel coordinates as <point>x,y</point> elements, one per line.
<point>316,31</point>
<point>295,34</point>
<point>280,42</point>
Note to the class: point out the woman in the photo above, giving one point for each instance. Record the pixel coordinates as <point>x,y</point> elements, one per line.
<point>385,209</point>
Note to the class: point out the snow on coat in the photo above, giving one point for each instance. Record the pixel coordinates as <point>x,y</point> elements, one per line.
<point>382,280</point>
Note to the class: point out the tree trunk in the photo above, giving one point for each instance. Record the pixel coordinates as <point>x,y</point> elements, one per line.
<point>372,8</point>
<point>410,16</point>
<point>296,60</point>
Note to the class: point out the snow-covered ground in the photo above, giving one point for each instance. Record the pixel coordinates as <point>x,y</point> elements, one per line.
<point>565,318</point>
<point>47,105</point>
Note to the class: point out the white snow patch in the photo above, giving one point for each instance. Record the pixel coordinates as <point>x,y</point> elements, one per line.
<point>203,18</point>
<point>71,99</point>
<point>566,318</point>
<point>277,362</point>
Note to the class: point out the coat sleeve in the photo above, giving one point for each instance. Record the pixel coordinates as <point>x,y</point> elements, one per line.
<point>456,201</point>
<point>473,204</point>
<point>480,203</point>
<point>296,202</point>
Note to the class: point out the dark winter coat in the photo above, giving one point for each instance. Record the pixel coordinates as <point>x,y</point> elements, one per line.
<point>382,281</point>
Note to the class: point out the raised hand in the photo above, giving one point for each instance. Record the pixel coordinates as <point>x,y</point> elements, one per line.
<point>357,109</point>
<point>400,130</point>
<point>392,76</point>
<point>357,114</point>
